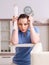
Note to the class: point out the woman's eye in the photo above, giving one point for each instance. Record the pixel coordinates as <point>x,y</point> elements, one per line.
<point>25,24</point>
<point>20,24</point>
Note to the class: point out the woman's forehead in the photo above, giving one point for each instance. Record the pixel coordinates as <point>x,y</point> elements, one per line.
<point>23,20</point>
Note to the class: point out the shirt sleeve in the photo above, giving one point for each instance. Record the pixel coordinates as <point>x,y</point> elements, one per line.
<point>36,29</point>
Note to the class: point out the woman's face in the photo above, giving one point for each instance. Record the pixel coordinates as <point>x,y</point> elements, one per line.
<point>23,24</point>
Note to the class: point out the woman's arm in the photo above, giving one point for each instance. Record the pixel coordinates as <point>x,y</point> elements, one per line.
<point>14,37</point>
<point>35,37</point>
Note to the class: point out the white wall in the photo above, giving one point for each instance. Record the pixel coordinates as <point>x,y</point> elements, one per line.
<point>44,34</point>
<point>6,8</point>
<point>40,8</point>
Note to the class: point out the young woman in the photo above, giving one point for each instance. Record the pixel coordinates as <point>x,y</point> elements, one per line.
<point>23,33</point>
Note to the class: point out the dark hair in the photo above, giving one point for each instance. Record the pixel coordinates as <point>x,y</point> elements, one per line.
<point>23,16</point>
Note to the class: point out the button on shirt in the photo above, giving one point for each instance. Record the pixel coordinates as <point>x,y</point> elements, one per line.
<point>22,55</point>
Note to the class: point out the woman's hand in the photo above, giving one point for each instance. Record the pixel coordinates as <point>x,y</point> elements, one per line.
<point>30,20</point>
<point>14,22</point>
<point>14,19</point>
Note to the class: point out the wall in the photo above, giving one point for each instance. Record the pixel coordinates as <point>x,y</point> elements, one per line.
<point>44,34</point>
<point>6,8</point>
<point>40,8</point>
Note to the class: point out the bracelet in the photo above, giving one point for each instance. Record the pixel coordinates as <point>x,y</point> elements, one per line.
<point>15,25</point>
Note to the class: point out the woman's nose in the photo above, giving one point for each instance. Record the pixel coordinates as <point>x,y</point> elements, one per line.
<point>23,26</point>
